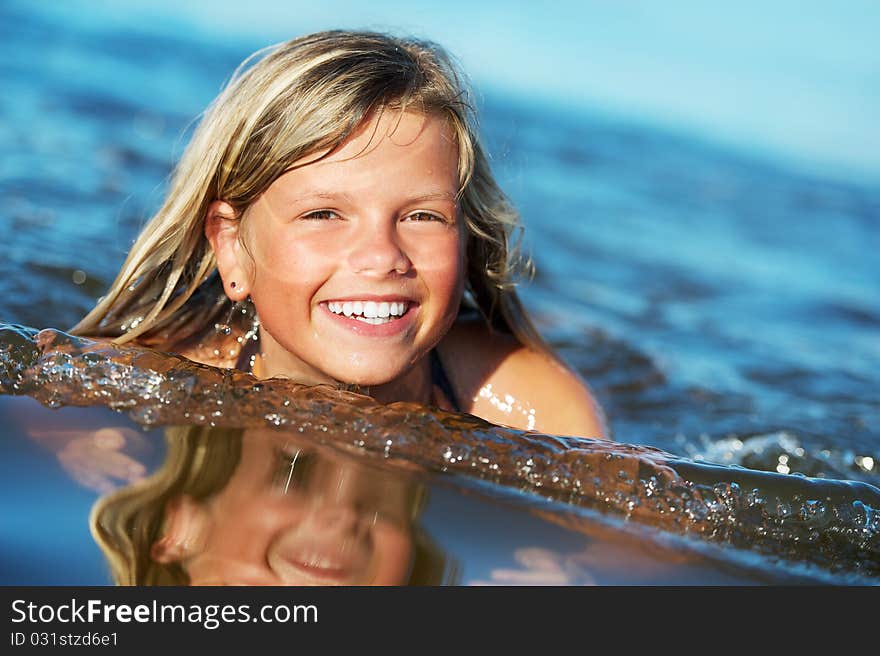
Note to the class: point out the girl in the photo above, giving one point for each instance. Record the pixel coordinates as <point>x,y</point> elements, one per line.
<point>334,220</point>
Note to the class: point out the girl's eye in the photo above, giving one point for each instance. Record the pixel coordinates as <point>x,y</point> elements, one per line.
<point>425,216</point>
<point>293,470</point>
<point>321,215</point>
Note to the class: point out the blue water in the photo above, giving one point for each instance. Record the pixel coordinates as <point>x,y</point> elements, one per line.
<point>722,306</point>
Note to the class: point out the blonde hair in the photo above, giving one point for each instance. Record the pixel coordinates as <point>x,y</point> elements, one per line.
<point>283,103</point>
<point>199,461</point>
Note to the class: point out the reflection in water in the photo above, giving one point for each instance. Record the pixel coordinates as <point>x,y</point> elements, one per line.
<point>537,566</point>
<point>96,459</point>
<point>262,507</point>
<point>792,520</point>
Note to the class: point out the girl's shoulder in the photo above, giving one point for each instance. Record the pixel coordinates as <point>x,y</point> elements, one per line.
<point>497,378</point>
<point>220,351</point>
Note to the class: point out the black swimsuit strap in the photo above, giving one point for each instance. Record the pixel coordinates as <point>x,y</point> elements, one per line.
<point>441,380</point>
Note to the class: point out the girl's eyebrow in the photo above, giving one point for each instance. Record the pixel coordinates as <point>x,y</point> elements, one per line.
<point>441,195</point>
<point>328,195</point>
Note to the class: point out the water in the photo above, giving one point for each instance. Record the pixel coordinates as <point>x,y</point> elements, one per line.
<point>724,310</point>
<point>822,530</point>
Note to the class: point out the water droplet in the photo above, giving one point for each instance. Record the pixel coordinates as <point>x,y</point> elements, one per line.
<point>783,509</point>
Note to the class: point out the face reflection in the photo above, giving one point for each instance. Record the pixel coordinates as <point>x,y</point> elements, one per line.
<point>355,262</point>
<point>295,517</point>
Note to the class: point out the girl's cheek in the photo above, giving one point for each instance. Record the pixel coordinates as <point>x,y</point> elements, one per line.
<point>288,258</point>
<point>442,258</point>
<point>394,552</point>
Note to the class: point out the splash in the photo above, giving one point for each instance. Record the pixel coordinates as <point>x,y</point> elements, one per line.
<point>785,452</point>
<point>831,524</point>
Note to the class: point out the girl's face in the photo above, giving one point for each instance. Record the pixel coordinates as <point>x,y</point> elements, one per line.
<point>355,263</point>
<point>292,516</point>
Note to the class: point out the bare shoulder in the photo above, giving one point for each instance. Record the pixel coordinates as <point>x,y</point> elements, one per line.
<point>504,382</point>
<point>214,354</point>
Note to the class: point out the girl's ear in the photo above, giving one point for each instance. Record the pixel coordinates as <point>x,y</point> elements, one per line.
<point>184,532</point>
<point>222,226</point>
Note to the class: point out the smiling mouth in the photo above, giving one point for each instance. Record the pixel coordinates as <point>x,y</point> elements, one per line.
<point>321,567</point>
<point>371,312</point>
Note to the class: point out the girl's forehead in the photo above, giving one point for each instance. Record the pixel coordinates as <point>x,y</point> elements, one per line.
<point>389,137</point>
<point>407,146</point>
<point>401,127</point>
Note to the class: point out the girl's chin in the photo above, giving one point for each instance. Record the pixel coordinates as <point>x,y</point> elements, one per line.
<point>376,380</point>
<point>345,367</point>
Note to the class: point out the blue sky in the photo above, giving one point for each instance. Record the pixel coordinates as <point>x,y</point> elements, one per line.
<point>793,80</point>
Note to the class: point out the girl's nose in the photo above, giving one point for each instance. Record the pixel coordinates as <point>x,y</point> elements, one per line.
<point>377,250</point>
<point>333,518</point>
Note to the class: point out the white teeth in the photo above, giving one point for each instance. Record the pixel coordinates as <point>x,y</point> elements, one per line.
<point>319,561</point>
<point>369,311</point>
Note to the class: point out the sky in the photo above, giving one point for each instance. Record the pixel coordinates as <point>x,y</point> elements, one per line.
<point>796,81</point>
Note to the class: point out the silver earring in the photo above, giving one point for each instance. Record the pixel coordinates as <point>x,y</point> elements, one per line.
<point>237,309</point>
<point>224,328</point>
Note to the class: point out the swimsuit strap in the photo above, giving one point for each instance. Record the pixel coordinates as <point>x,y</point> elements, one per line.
<point>441,380</point>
